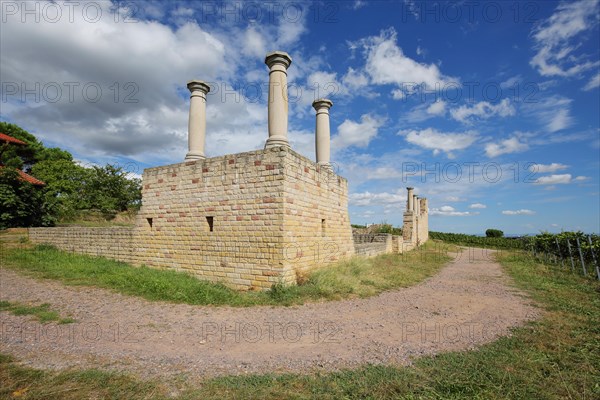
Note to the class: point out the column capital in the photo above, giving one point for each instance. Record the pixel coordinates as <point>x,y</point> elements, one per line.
<point>196,85</point>
<point>322,103</point>
<point>410,188</point>
<point>278,57</point>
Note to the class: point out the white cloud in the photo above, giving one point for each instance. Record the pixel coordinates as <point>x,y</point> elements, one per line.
<point>559,179</point>
<point>545,168</point>
<point>518,212</point>
<point>413,8</point>
<point>478,205</point>
<point>554,179</point>
<point>158,58</point>
<point>557,38</point>
<point>437,108</point>
<point>483,110</point>
<point>386,63</point>
<point>437,141</point>
<point>351,133</point>
<point>511,82</point>
<point>254,43</point>
<point>384,198</point>
<point>288,33</point>
<point>358,4</point>
<point>560,121</point>
<point>383,173</point>
<point>554,112</point>
<point>154,60</point>
<point>423,112</point>
<point>593,83</point>
<point>449,211</point>
<point>355,79</point>
<point>324,85</point>
<point>508,146</point>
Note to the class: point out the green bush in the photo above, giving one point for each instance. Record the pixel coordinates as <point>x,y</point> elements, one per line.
<point>496,233</point>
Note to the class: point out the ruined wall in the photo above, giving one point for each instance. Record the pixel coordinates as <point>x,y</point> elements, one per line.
<point>111,242</point>
<point>273,213</point>
<point>248,220</point>
<point>375,244</point>
<point>423,221</point>
<point>316,224</point>
<point>219,219</point>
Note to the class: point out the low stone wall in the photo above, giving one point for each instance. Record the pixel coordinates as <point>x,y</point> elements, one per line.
<point>374,244</point>
<point>113,242</point>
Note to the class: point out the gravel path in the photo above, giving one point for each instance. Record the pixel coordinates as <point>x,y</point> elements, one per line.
<point>470,302</point>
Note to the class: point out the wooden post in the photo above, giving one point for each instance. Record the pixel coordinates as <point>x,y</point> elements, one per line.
<point>581,257</point>
<point>562,264</point>
<point>594,257</point>
<point>570,256</point>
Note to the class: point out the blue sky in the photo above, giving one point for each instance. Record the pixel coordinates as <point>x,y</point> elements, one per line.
<point>489,109</point>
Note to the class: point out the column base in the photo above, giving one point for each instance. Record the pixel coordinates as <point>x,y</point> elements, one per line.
<point>325,166</point>
<point>275,141</point>
<point>191,156</point>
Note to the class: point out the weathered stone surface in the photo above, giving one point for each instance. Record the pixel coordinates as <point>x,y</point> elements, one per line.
<point>248,220</point>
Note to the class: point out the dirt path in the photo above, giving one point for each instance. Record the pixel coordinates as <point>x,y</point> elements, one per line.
<point>468,303</point>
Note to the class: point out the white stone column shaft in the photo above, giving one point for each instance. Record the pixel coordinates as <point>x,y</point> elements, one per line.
<point>323,132</point>
<point>278,63</point>
<point>415,203</point>
<point>409,201</point>
<point>197,120</point>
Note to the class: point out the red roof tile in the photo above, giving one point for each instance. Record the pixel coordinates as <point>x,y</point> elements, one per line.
<point>10,139</point>
<point>28,178</point>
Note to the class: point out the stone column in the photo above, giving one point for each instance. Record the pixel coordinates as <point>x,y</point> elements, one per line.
<point>278,63</point>
<point>197,120</point>
<point>409,200</point>
<point>323,132</point>
<point>415,203</point>
<point>423,205</point>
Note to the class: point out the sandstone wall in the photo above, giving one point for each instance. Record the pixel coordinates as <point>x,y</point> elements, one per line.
<point>219,219</point>
<point>111,242</point>
<point>273,214</point>
<point>316,225</point>
<point>248,220</point>
<point>375,244</point>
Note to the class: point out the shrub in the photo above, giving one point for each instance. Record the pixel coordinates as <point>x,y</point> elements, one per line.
<point>495,233</point>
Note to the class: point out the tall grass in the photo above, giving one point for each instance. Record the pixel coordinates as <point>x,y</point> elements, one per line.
<point>349,278</point>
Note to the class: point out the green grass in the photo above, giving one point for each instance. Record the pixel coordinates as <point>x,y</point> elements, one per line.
<point>42,312</point>
<point>556,357</point>
<point>356,277</point>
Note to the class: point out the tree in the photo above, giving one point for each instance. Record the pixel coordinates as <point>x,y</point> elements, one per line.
<point>64,193</point>
<point>110,190</point>
<point>21,203</point>
<point>494,233</point>
<point>20,157</point>
<point>70,187</point>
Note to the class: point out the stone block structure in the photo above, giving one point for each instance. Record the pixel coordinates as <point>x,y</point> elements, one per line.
<point>249,220</point>
<point>415,227</point>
